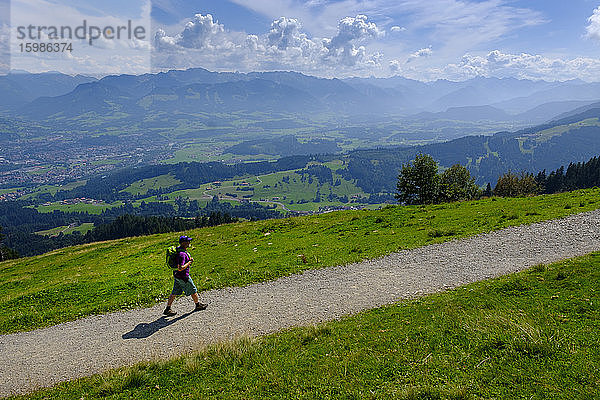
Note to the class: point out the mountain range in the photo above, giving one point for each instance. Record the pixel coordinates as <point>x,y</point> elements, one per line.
<point>55,96</point>
<point>253,115</point>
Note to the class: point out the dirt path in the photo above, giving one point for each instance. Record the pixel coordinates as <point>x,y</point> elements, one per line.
<point>45,357</point>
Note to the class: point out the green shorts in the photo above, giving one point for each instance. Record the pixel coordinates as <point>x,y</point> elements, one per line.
<point>180,286</point>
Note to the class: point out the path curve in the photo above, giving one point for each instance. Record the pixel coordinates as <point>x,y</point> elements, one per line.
<point>47,356</point>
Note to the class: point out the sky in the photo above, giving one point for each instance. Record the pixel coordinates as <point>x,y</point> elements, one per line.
<point>424,40</point>
<point>28,23</point>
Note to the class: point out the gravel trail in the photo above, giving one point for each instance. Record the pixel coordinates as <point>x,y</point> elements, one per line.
<point>48,356</point>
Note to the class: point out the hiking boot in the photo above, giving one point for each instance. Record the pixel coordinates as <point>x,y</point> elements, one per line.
<point>169,313</point>
<point>200,307</point>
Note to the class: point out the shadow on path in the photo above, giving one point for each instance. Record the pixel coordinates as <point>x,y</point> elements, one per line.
<point>144,330</point>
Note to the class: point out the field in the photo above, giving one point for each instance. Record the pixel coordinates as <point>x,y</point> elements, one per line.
<point>545,135</point>
<point>286,189</point>
<point>50,189</point>
<point>11,190</point>
<point>529,335</point>
<point>211,151</point>
<point>79,207</point>
<point>160,182</point>
<point>83,229</point>
<point>69,283</point>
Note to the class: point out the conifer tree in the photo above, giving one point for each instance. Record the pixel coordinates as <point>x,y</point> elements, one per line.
<point>5,252</point>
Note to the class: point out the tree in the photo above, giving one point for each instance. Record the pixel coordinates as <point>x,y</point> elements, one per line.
<point>513,185</point>
<point>457,184</point>
<point>488,191</point>
<point>5,252</point>
<point>419,182</point>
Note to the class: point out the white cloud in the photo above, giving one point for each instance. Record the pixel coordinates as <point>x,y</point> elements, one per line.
<point>354,29</point>
<point>523,66</point>
<point>396,66</point>
<point>593,29</point>
<point>204,42</point>
<point>426,52</point>
<point>351,31</point>
<point>464,31</point>
<point>285,33</point>
<point>458,25</point>
<point>202,32</point>
<point>104,56</point>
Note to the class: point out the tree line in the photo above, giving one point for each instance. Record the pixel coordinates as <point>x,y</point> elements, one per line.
<point>6,253</point>
<point>133,225</point>
<point>582,175</point>
<point>420,182</point>
<point>21,222</point>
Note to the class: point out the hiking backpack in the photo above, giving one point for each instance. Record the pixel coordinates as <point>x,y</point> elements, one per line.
<point>171,257</point>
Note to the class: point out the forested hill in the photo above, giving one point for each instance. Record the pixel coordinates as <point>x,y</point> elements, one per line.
<point>545,147</point>
<point>109,187</point>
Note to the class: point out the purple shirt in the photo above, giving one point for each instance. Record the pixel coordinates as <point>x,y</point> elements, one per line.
<point>182,258</point>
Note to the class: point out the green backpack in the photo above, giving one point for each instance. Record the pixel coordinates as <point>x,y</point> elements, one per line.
<point>171,257</point>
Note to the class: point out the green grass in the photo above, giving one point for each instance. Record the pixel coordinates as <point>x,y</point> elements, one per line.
<point>159,182</point>
<point>92,279</point>
<point>83,229</point>
<point>271,188</point>
<point>297,190</point>
<point>79,207</point>
<point>11,190</point>
<point>546,135</point>
<point>531,335</point>
<point>211,150</point>
<point>52,189</point>
<point>268,189</point>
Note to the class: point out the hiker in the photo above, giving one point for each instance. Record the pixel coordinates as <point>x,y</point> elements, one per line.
<point>183,281</point>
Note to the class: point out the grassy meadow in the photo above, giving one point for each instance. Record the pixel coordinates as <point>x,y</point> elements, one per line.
<point>70,283</point>
<point>160,182</point>
<point>83,229</point>
<point>79,207</point>
<point>530,335</point>
<point>286,187</point>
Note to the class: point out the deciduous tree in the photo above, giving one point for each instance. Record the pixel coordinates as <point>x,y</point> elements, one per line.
<point>513,185</point>
<point>457,184</point>
<point>418,182</point>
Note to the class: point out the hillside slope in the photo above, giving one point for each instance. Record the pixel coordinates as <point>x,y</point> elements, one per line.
<point>97,278</point>
<point>575,138</point>
<point>114,340</point>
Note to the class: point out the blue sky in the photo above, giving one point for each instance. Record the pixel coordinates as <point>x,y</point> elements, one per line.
<point>452,39</point>
<point>456,39</point>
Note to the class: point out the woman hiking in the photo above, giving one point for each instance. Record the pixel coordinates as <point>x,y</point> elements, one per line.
<point>183,282</point>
